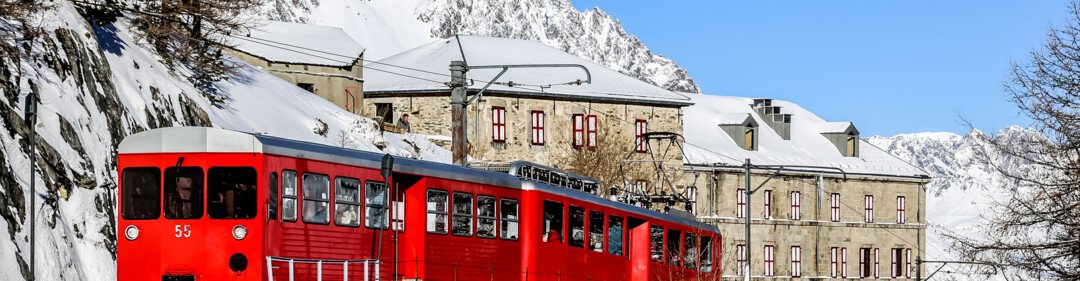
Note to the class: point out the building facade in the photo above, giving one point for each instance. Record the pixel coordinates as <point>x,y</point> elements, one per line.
<point>300,54</point>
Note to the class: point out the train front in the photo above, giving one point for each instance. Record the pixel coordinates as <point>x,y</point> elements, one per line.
<point>188,206</point>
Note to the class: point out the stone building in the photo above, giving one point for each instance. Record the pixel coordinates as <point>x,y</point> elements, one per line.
<point>544,115</point>
<point>830,206</point>
<point>320,59</point>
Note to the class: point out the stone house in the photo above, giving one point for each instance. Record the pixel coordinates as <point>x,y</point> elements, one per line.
<point>320,59</point>
<point>830,205</point>
<point>542,115</point>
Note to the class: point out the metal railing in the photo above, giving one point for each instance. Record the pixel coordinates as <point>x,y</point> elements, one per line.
<point>368,266</point>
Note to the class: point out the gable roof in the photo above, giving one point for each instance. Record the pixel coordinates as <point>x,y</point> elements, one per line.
<point>426,68</point>
<point>299,43</point>
<point>839,128</point>
<point>741,119</point>
<point>707,144</point>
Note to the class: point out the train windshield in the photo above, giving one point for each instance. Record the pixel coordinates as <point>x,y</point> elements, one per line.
<point>142,197</point>
<point>183,192</point>
<point>231,193</point>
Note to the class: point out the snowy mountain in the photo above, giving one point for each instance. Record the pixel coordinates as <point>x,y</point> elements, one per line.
<point>962,188</point>
<point>388,27</point>
<point>97,85</point>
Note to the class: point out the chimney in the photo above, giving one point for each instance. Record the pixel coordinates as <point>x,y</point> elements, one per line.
<point>779,122</point>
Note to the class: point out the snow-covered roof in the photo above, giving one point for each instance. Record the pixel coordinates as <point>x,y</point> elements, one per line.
<point>299,43</point>
<point>734,119</point>
<point>838,127</point>
<point>707,144</point>
<point>426,68</point>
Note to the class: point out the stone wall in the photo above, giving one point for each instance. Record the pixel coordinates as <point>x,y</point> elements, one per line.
<point>814,232</point>
<point>340,85</point>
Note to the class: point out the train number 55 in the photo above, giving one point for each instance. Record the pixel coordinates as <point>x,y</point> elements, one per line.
<point>184,231</point>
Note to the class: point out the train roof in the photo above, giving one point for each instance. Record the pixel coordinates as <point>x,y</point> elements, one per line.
<point>217,140</point>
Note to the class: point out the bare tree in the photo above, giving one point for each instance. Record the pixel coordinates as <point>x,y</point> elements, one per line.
<point>1035,230</point>
<point>604,161</point>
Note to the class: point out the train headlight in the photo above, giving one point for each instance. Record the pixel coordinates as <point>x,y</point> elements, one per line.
<point>131,232</point>
<point>239,232</point>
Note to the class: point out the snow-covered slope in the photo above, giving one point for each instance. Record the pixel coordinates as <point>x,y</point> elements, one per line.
<point>97,85</point>
<point>387,27</point>
<point>962,188</point>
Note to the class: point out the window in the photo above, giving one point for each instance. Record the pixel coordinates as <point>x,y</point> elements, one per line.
<point>306,86</point>
<point>498,124</point>
<point>748,139</point>
<point>577,227</point>
<point>232,193</point>
<point>897,255</point>
<point>834,261</point>
<point>316,195</point>
<point>553,222</point>
<point>537,127</point>
<point>740,203</point>
<point>770,260</point>
<point>578,121</point>
<point>183,193</point>
<point>509,222</point>
<point>437,214</point>
<point>590,130</point>
<point>288,195</point>
<point>385,111</point>
<point>796,205</point>
<point>673,239</point>
<point>868,208</point>
<point>656,243</point>
<point>142,193</point>
<point>864,262</point>
<point>706,254</point>
<point>485,216</point>
<point>690,251</point>
<point>640,128</point>
<point>901,212</point>
<point>877,273</point>
<point>843,262</point>
<point>376,215</point>
<point>596,231</point>
<point>272,209</point>
<point>768,204</point>
<point>463,214</point>
<point>347,202</point>
<point>907,263</point>
<point>740,259</point>
<point>615,235</point>
<point>796,261</point>
<point>834,206</point>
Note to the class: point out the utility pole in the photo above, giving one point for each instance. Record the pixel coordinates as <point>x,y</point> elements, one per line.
<point>31,120</point>
<point>459,141</point>
<point>746,249</point>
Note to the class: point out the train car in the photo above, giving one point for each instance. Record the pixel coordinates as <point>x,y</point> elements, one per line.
<point>213,204</point>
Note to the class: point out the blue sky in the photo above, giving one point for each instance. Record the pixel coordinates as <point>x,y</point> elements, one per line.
<point>890,66</point>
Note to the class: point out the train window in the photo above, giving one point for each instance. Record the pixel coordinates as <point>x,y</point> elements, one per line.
<point>690,251</point>
<point>183,193</point>
<point>436,211</point>
<point>376,215</point>
<point>706,253</point>
<point>463,216</point>
<point>509,215</point>
<point>596,231</point>
<point>485,216</point>
<point>231,193</point>
<point>271,206</point>
<point>288,195</point>
<point>673,239</point>
<point>553,222</point>
<point>316,195</point>
<point>615,235</point>
<point>577,227</point>
<point>656,243</point>
<point>347,202</point>
<point>142,196</point>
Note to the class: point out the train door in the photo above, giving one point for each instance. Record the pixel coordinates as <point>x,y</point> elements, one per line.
<point>638,249</point>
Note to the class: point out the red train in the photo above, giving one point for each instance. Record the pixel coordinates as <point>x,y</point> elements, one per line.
<point>212,204</point>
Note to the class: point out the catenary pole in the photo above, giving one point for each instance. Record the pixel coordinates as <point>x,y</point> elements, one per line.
<point>746,249</point>
<point>457,102</point>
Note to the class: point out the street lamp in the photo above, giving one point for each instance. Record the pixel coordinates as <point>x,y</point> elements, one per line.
<point>30,117</point>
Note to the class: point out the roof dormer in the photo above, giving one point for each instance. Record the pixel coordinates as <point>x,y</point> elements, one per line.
<point>844,136</point>
<point>742,128</point>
